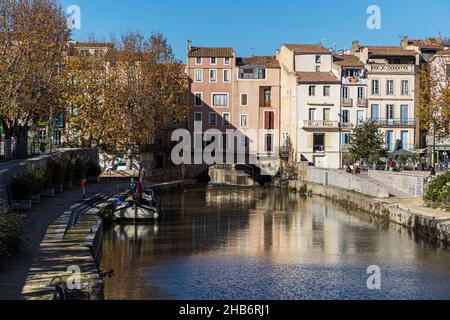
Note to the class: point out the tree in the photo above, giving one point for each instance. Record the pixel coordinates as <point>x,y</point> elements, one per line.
<point>433,109</point>
<point>33,36</point>
<point>367,143</point>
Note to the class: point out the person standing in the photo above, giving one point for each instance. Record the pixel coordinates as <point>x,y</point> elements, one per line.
<point>83,188</point>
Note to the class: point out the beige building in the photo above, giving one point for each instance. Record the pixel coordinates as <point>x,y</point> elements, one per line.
<point>392,77</point>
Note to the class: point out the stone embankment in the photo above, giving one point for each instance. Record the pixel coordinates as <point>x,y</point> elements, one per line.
<point>409,211</point>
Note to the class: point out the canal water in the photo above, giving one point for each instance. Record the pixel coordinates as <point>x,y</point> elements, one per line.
<point>236,243</point>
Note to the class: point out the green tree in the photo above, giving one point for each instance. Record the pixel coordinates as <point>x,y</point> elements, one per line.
<point>367,143</point>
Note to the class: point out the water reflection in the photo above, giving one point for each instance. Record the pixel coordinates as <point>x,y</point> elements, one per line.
<point>234,243</point>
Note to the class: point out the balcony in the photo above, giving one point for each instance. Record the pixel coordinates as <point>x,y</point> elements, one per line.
<point>320,124</point>
<point>346,102</point>
<point>363,103</point>
<point>347,126</point>
<point>353,80</point>
<point>403,123</point>
<point>319,149</point>
<point>391,68</point>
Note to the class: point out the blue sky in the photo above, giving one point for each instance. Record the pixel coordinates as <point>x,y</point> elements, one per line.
<point>261,26</point>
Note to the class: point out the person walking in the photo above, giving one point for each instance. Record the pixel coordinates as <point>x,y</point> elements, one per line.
<point>83,188</point>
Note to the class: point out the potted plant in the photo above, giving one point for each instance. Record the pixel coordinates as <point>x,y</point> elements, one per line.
<point>21,191</point>
<point>37,185</point>
<point>58,175</point>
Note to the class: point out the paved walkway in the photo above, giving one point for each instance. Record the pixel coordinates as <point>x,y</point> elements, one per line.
<point>14,270</point>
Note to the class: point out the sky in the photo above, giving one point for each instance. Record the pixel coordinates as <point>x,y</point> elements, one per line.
<point>261,26</point>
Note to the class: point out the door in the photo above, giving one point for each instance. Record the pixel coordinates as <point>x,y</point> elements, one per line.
<point>404,114</point>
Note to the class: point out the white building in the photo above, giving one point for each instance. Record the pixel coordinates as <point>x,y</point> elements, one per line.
<point>313,106</point>
<point>354,105</point>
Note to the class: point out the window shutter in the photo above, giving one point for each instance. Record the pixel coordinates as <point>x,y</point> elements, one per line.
<point>266,120</point>
<point>328,141</point>
<point>310,141</point>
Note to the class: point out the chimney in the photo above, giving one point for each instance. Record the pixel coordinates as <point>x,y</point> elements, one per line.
<point>356,46</point>
<point>440,40</point>
<point>405,41</point>
<point>189,45</point>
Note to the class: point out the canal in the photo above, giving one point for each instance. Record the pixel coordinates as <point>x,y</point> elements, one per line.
<point>236,243</point>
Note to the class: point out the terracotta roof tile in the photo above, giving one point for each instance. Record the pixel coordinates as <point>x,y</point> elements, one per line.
<point>266,61</point>
<point>347,60</point>
<point>218,52</point>
<point>307,48</point>
<point>390,51</point>
<point>317,77</point>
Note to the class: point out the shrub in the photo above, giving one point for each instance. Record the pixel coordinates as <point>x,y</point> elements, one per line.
<point>22,187</point>
<point>439,191</point>
<point>79,168</point>
<point>12,233</point>
<point>58,173</point>
<point>93,169</point>
<point>38,181</point>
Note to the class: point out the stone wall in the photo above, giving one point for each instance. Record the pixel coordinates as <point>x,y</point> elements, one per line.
<point>345,181</point>
<point>414,184</point>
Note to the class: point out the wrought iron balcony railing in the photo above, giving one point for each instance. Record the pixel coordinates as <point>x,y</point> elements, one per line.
<point>394,122</point>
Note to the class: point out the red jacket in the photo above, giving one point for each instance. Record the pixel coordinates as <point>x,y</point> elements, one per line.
<point>84,184</point>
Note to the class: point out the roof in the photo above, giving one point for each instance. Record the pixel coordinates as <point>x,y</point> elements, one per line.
<point>265,61</point>
<point>347,60</point>
<point>307,48</point>
<point>390,51</point>
<point>219,52</point>
<point>317,77</point>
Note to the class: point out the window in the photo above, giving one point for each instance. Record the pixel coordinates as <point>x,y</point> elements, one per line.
<point>390,112</point>
<point>345,92</point>
<point>405,140</point>
<point>226,119</point>
<point>326,91</point>
<point>405,88</point>
<point>198,75</point>
<point>198,117</point>
<point>213,119</point>
<point>318,59</point>
<point>361,93</point>
<point>267,97</point>
<point>346,139</point>
<point>213,75</point>
<point>268,143</point>
<point>213,60</point>
<point>244,99</point>
<point>312,91</point>
<point>390,140</point>
<point>286,141</point>
<point>345,116</point>
<point>317,68</point>
<point>375,87</point>
<point>227,75</point>
<point>244,121</point>
<point>319,142</point>
<point>404,114</point>
<point>375,108</point>
<point>198,61</point>
<point>312,114</point>
<point>390,87</point>
<point>360,117</point>
<point>269,120</point>
<point>252,73</point>
<point>227,61</point>
<point>198,99</point>
<point>220,99</point>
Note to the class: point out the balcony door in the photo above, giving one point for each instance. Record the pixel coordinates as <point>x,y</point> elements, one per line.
<point>327,115</point>
<point>404,114</point>
<point>375,113</point>
<point>405,138</point>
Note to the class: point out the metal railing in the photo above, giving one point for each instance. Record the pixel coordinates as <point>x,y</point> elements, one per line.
<point>363,103</point>
<point>391,68</point>
<point>347,102</point>
<point>321,124</point>
<point>394,122</point>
